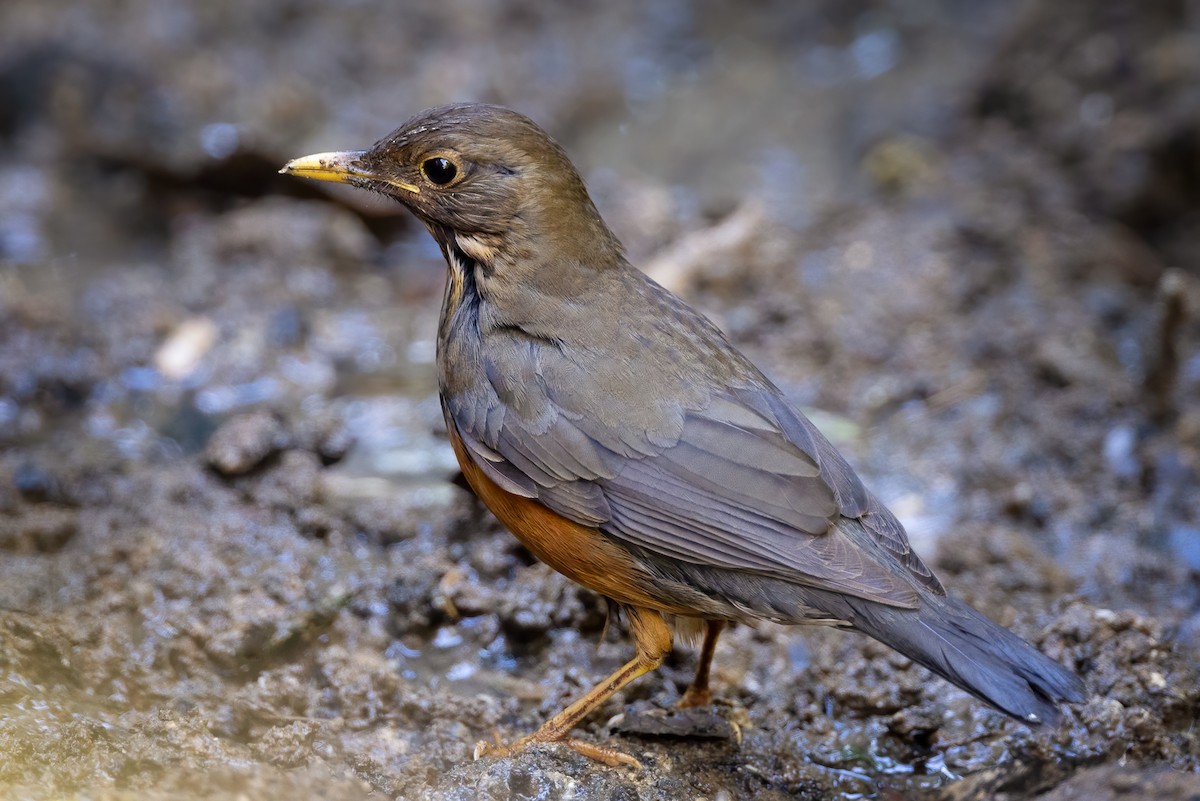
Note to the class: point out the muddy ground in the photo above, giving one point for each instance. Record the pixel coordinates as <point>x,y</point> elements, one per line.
<point>233,563</point>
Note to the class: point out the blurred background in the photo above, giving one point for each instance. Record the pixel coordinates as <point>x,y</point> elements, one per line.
<point>964,236</point>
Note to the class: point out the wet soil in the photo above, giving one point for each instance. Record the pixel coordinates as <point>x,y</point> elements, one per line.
<point>233,560</point>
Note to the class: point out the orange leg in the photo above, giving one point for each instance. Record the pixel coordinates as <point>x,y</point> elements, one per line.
<point>697,693</point>
<point>652,638</point>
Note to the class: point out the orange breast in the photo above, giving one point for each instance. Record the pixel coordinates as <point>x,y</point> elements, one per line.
<point>580,553</point>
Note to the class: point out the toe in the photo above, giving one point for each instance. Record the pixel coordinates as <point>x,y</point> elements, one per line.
<point>608,756</point>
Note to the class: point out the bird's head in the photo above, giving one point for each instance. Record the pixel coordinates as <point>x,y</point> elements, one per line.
<point>483,179</point>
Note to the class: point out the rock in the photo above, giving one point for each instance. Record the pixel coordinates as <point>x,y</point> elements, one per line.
<point>244,442</point>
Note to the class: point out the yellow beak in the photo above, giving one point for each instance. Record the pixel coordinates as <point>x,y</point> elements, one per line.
<point>340,167</point>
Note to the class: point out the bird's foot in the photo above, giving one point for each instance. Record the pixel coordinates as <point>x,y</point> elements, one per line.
<point>608,756</point>
<point>694,697</point>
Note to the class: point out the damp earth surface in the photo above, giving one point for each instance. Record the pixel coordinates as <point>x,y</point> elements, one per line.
<point>234,561</point>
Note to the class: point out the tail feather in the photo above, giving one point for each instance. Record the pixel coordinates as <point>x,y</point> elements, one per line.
<point>942,633</point>
<point>971,651</point>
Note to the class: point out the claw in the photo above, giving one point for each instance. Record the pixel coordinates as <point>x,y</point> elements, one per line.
<point>608,756</point>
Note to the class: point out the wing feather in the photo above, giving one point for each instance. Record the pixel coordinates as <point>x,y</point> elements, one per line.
<point>732,478</point>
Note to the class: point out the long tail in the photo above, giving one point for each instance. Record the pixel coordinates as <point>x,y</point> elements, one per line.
<point>944,634</point>
<point>967,649</point>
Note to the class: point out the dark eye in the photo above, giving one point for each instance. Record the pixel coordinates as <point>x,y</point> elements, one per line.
<point>439,171</point>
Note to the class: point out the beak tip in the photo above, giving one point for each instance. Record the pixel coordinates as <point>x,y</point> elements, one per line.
<point>336,167</point>
<point>288,168</point>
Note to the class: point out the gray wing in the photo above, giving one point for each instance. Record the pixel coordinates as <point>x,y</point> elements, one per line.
<point>735,479</point>
<point>751,484</point>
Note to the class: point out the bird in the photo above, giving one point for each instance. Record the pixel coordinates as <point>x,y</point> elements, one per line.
<point>621,437</point>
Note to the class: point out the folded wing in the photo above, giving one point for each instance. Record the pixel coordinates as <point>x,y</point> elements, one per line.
<point>743,483</point>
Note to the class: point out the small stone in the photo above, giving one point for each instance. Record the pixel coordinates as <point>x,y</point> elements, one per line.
<point>181,352</point>
<point>701,723</point>
<point>244,442</point>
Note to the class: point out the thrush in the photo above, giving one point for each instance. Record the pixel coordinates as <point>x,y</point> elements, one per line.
<point>617,433</point>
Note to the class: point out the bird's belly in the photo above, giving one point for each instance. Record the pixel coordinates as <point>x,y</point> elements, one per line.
<point>581,553</point>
